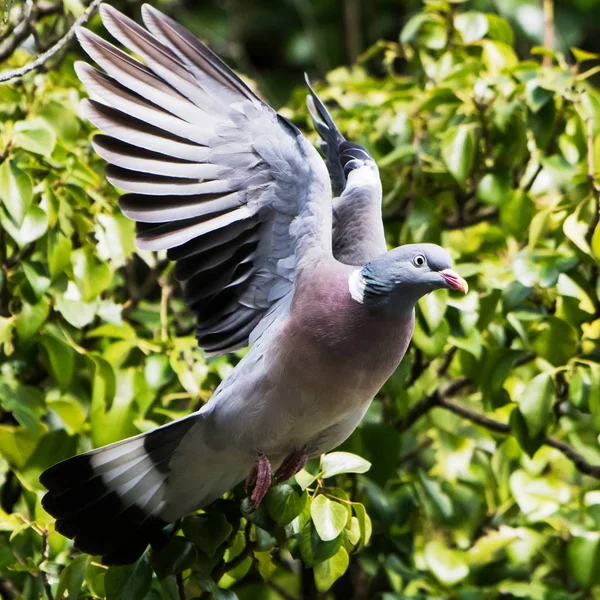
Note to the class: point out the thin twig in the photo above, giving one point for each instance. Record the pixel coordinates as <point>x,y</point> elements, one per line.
<point>5,15</point>
<point>548,31</point>
<point>249,548</point>
<point>180,586</point>
<point>45,558</point>
<point>4,293</point>
<point>8,590</point>
<point>165,294</point>
<point>19,33</point>
<point>281,591</point>
<point>589,127</point>
<point>414,453</point>
<point>442,401</point>
<point>46,56</point>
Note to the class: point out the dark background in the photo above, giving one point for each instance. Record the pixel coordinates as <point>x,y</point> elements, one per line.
<point>275,41</point>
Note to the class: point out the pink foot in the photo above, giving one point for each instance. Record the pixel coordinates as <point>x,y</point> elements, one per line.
<point>293,462</point>
<point>260,477</point>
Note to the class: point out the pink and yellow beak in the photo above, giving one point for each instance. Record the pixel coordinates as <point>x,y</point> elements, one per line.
<point>454,280</point>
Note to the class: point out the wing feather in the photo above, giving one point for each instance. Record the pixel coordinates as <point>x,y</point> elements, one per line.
<point>233,192</point>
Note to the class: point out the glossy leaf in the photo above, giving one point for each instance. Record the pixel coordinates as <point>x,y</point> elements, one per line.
<point>16,191</point>
<point>329,517</point>
<point>458,148</point>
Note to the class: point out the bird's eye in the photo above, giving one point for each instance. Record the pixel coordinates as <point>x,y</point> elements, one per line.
<point>419,260</point>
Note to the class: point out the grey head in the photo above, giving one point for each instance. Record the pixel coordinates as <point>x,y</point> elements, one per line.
<point>397,279</point>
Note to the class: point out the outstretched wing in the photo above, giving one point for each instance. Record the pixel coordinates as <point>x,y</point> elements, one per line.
<point>357,224</point>
<point>233,191</point>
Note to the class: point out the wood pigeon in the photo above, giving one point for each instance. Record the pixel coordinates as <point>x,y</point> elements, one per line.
<point>243,203</point>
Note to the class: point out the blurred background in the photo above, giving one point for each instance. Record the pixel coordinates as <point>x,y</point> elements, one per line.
<point>275,41</point>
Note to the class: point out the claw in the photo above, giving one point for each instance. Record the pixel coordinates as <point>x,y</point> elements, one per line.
<point>260,478</point>
<point>293,462</point>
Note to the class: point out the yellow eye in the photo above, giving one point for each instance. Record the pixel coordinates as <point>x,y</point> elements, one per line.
<point>419,260</point>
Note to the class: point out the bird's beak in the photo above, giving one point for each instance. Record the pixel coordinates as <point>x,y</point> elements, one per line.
<point>454,280</point>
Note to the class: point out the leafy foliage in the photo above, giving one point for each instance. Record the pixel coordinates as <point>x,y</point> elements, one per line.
<point>473,474</point>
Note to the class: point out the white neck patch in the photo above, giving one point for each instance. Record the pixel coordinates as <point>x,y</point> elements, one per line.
<point>356,285</point>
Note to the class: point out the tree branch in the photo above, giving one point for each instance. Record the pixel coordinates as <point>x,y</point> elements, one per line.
<point>8,590</point>
<point>281,590</point>
<point>46,56</point>
<point>440,400</point>
<point>19,33</point>
<point>548,31</point>
<point>46,558</point>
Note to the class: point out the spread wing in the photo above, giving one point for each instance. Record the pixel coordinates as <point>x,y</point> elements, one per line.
<point>233,192</point>
<point>357,224</point>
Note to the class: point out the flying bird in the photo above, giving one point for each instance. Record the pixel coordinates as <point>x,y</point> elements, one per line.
<point>242,202</point>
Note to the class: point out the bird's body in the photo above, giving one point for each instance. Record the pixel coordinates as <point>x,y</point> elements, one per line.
<point>312,379</point>
<point>243,203</point>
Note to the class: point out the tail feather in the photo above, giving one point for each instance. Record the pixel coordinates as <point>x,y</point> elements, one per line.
<point>109,500</point>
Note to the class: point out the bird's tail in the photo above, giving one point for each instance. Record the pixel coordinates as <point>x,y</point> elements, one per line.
<point>110,500</point>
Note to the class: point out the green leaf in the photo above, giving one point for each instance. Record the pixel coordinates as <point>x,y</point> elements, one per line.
<point>59,253</point>
<point>498,57</point>
<point>556,341</point>
<point>433,307</point>
<point>458,147</point>
<point>208,532</point>
<point>72,577</point>
<point>472,26</point>
<point>37,278</point>
<point>576,228</point>
<point>499,29</point>
<point>584,55</point>
<point>131,582</point>
<point>427,29</point>
<point>16,191</point>
<point>313,549</point>
<point>596,243</point>
<point>535,404</point>
<point>31,318</point>
<point>284,504</point>
<point>92,276</point>
<point>16,445</point>
<point>61,358</point>
<point>7,325</point>
<point>74,310</point>
<point>53,447</point>
<point>449,566</point>
<point>177,555</point>
<point>329,517</point>
<point>494,187</point>
<point>364,523</point>
<point>35,136</point>
<point>335,463</point>
<point>26,403</point>
<point>34,225</point>
<point>330,570</point>
<point>70,412</point>
<point>94,576</point>
<point>583,559</point>
<point>113,406</point>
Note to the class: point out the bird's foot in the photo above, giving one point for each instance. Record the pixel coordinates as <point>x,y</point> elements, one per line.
<point>260,478</point>
<point>295,461</point>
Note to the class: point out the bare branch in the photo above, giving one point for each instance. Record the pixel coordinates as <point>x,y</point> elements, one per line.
<point>8,590</point>
<point>46,56</point>
<point>18,33</point>
<point>440,400</point>
<point>223,567</point>
<point>548,31</point>
<point>45,558</point>
<point>5,15</point>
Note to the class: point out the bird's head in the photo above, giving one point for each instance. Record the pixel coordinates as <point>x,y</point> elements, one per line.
<point>398,278</point>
